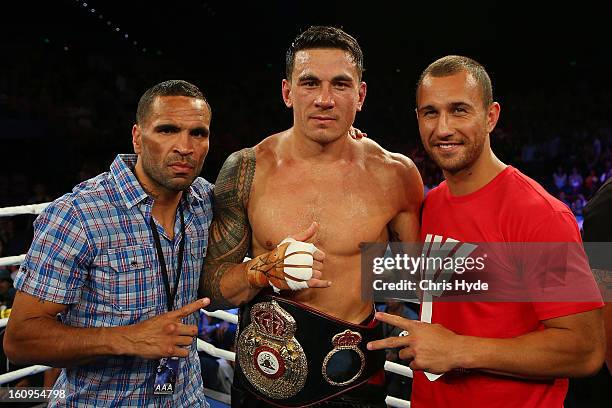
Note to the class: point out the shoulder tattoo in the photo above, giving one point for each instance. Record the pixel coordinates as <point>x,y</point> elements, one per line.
<point>230,232</point>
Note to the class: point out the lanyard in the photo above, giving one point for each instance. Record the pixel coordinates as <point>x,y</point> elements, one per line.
<point>162,263</point>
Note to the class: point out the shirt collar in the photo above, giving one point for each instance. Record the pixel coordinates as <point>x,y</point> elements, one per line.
<point>122,170</point>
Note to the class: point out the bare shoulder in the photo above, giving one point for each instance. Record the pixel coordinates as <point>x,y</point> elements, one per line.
<point>402,177</point>
<point>268,149</point>
<point>392,164</point>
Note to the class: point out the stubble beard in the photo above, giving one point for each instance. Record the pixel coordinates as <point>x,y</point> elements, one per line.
<point>324,136</point>
<point>163,179</point>
<point>456,164</point>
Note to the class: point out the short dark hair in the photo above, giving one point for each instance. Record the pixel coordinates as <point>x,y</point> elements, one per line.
<point>174,87</point>
<point>324,37</point>
<point>452,64</point>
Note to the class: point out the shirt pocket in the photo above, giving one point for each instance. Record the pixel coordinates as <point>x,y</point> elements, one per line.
<point>134,284</point>
<point>194,261</point>
<point>198,247</point>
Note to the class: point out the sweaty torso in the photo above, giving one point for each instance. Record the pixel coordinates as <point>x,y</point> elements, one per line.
<point>352,200</point>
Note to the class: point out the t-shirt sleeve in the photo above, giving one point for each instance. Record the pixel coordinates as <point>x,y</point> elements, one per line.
<point>55,266</point>
<point>557,271</point>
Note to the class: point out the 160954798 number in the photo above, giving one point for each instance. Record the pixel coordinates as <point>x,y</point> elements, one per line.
<point>30,394</point>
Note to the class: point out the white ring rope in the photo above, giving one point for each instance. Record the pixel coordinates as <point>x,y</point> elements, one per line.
<point>201,344</point>
<point>19,210</point>
<point>398,369</point>
<point>22,372</point>
<point>12,260</point>
<point>22,209</point>
<point>397,403</point>
<point>223,315</point>
<point>214,351</point>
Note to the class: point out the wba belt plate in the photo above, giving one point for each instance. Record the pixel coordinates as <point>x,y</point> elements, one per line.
<point>270,357</point>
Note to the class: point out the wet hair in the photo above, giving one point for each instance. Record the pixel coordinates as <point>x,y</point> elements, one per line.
<point>174,87</point>
<point>453,64</point>
<point>324,37</point>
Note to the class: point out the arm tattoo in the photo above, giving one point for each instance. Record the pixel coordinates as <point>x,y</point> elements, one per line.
<point>230,232</point>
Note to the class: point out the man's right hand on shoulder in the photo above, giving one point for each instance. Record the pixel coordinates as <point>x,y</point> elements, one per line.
<point>164,335</point>
<point>294,264</point>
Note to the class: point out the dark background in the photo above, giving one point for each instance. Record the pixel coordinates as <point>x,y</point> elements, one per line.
<point>70,80</point>
<point>72,71</point>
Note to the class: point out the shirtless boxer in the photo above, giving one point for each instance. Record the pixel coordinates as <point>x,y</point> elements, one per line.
<point>338,192</point>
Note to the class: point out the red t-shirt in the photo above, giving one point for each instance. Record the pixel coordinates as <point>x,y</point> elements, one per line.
<point>511,208</point>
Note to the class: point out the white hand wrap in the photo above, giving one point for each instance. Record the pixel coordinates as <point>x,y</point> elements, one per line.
<point>298,260</point>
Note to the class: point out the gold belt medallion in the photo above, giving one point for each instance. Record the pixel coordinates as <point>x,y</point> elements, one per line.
<point>347,355</point>
<point>270,357</point>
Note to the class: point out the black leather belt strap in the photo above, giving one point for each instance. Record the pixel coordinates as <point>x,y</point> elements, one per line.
<point>314,333</point>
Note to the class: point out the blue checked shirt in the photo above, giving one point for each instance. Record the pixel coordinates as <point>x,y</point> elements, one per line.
<point>93,250</point>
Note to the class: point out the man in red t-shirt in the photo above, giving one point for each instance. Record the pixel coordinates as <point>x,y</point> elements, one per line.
<point>491,354</point>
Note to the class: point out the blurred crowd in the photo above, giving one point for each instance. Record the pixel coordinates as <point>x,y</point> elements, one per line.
<point>63,124</point>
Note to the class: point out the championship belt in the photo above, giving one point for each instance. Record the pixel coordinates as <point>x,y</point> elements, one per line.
<point>271,358</point>
<point>290,355</point>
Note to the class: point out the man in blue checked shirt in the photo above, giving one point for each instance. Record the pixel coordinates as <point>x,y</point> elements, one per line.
<point>119,258</point>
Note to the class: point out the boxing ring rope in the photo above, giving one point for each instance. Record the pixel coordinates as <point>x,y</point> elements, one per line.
<point>23,209</point>
<point>12,260</point>
<point>223,315</point>
<point>22,372</point>
<point>201,344</point>
<point>33,209</point>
